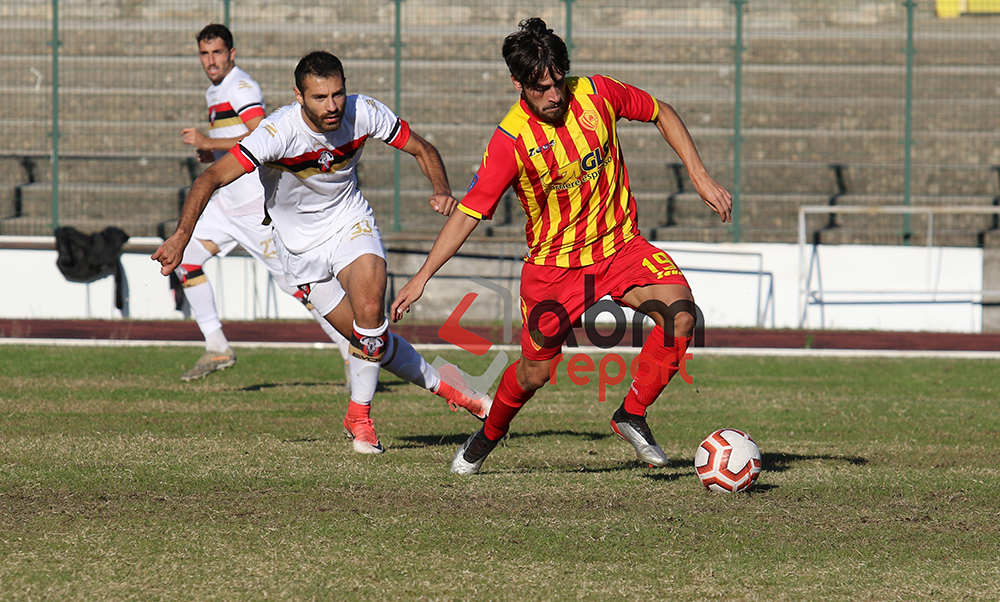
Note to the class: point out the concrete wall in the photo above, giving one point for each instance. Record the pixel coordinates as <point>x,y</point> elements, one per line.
<point>735,285</point>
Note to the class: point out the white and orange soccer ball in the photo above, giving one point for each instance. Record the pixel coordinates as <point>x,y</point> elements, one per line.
<point>727,460</point>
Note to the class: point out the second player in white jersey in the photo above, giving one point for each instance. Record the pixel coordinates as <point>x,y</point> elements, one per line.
<point>232,103</point>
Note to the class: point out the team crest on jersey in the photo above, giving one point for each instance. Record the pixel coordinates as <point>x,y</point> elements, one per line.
<point>325,161</point>
<point>589,120</point>
<point>211,116</point>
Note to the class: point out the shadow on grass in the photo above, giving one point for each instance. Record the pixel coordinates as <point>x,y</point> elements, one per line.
<point>338,384</point>
<point>455,440</point>
<point>780,462</point>
<point>772,462</point>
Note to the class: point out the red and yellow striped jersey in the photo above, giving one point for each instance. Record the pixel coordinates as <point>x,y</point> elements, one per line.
<point>570,178</point>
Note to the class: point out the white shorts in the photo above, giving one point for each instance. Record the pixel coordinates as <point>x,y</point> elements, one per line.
<point>318,267</point>
<point>227,231</point>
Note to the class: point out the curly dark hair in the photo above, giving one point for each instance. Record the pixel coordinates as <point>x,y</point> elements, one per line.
<point>533,50</point>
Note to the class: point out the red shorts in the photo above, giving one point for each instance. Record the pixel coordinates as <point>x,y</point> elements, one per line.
<point>552,298</point>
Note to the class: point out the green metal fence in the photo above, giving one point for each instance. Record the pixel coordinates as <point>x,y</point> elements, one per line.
<point>790,103</point>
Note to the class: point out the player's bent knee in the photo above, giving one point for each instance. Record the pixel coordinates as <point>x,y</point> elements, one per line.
<point>683,324</point>
<point>533,375</point>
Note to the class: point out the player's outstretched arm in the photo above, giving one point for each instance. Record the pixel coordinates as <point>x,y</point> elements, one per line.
<point>679,138</point>
<point>222,172</point>
<point>431,164</point>
<point>454,233</point>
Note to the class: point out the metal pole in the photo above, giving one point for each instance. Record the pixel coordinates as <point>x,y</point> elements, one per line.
<point>737,116</point>
<point>398,102</point>
<point>55,43</point>
<point>911,7</point>
<point>225,13</point>
<point>569,27</point>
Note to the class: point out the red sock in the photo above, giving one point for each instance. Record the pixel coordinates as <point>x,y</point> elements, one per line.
<point>506,404</point>
<point>358,411</point>
<point>651,380</point>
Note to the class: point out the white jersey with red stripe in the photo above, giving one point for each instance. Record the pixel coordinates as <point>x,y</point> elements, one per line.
<point>310,178</point>
<point>231,103</point>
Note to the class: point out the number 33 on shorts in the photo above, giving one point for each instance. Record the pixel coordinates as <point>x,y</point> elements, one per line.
<point>362,228</point>
<point>663,267</point>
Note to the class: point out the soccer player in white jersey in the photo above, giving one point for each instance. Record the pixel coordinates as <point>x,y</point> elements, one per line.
<point>234,216</point>
<point>324,229</point>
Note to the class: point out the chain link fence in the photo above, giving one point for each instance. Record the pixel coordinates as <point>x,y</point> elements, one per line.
<point>790,103</point>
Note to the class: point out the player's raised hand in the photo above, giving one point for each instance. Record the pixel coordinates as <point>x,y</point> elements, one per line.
<point>406,297</point>
<point>443,203</point>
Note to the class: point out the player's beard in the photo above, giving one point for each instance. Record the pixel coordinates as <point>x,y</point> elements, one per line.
<point>319,122</point>
<point>555,113</point>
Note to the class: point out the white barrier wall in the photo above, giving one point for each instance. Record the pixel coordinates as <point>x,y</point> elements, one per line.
<point>864,287</point>
<point>36,289</point>
<point>735,285</point>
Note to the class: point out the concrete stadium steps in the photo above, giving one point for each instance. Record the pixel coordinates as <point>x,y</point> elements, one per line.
<point>26,136</point>
<point>78,137</point>
<point>890,232</point>
<point>42,226</point>
<point>822,86</point>
<point>117,38</point>
<point>102,200</point>
<point>416,214</point>
<point>692,234</point>
<point>486,95</point>
<point>867,83</point>
<point>848,114</point>
<point>960,229</point>
<point>937,44</point>
<point>151,170</point>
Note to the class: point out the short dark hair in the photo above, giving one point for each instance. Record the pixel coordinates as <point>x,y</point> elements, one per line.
<point>214,31</point>
<point>533,50</point>
<point>318,64</point>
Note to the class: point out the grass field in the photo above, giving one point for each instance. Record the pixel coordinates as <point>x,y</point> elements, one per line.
<point>119,482</point>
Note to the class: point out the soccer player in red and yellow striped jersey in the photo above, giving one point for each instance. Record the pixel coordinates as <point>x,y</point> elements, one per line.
<point>558,149</point>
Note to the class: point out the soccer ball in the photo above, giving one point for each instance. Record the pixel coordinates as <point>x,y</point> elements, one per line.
<point>727,460</point>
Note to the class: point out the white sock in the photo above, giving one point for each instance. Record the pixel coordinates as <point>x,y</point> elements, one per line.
<point>201,297</point>
<point>202,301</point>
<point>403,360</point>
<point>215,341</point>
<point>367,350</point>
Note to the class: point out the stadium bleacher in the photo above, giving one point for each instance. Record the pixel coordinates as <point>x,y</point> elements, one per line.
<point>823,86</point>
